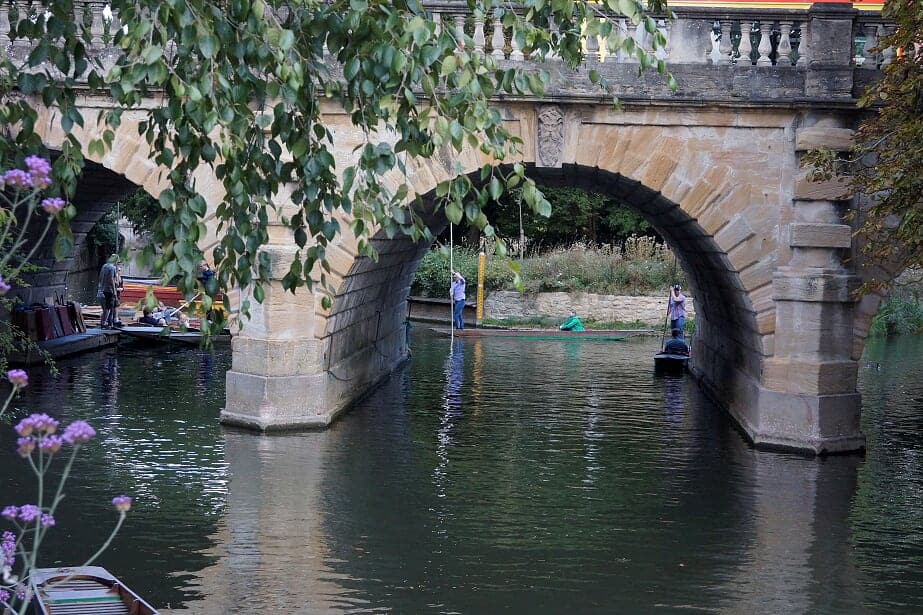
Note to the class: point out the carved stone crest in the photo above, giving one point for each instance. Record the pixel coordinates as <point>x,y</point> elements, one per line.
<point>550,146</point>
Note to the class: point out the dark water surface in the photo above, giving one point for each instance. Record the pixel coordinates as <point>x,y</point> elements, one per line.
<point>505,475</point>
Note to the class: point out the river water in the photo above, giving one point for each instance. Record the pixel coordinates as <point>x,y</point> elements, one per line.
<point>495,475</point>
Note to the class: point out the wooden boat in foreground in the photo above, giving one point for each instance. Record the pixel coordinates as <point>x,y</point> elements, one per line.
<point>189,337</point>
<point>670,362</point>
<point>84,590</point>
<point>546,334</point>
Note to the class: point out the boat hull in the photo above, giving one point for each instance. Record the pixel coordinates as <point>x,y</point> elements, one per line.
<point>668,362</point>
<point>168,336</point>
<point>84,590</point>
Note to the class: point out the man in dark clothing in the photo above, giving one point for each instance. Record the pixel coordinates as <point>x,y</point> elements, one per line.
<point>108,288</point>
<point>676,345</point>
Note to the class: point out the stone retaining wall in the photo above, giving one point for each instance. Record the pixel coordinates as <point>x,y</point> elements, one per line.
<point>646,309</point>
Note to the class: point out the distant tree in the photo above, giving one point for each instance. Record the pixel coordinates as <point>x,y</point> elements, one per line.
<point>576,215</point>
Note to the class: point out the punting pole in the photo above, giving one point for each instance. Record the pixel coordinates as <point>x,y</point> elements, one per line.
<point>451,297</point>
<point>480,306</point>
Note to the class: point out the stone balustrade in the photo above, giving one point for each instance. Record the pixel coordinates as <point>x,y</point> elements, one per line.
<point>696,35</point>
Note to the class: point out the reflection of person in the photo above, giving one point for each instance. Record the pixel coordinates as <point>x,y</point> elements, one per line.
<point>108,289</point>
<point>676,308</point>
<point>676,345</point>
<point>572,323</point>
<point>457,294</point>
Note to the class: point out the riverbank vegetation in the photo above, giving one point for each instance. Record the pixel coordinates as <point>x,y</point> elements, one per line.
<point>640,266</point>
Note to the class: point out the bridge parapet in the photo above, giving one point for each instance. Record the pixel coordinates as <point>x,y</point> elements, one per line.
<point>778,41</point>
<point>704,35</point>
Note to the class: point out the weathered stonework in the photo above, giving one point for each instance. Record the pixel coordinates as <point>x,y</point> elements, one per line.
<point>713,167</point>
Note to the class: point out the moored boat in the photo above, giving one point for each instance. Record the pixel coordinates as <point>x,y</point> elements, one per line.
<point>84,590</point>
<point>190,337</point>
<point>545,334</point>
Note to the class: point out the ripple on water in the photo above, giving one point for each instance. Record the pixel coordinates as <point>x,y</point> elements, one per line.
<point>557,476</point>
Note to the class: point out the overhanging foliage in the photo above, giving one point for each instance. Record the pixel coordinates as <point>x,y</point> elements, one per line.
<point>242,83</point>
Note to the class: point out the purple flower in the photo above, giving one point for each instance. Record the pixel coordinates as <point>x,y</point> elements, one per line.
<point>39,171</point>
<point>78,432</point>
<point>53,205</point>
<point>8,549</point>
<point>37,423</point>
<point>18,378</point>
<point>29,513</point>
<point>17,178</point>
<point>122,503</point>
<point>10,513</point>
<point>4,596</point>
<point>4,287</point>
<point>47,520</point>
<point>25,446</point>
<point>51,444</point>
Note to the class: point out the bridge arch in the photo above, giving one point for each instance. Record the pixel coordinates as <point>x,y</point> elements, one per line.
<point>722,185</point>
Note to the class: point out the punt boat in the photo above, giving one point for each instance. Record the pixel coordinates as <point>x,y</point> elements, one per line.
<point>670,362</point>
<point>189,337</point>
<point>84,590</point>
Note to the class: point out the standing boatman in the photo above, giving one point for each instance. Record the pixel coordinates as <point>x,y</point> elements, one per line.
<point>457,294</point>
<point>676,309</point>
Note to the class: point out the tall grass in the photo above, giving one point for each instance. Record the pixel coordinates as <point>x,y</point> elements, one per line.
<point>639,266</point>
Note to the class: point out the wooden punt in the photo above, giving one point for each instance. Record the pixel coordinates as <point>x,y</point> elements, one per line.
<point>84,590</point>
<point>546,334</point>
<point>670,362</point>
<point>189,337</point>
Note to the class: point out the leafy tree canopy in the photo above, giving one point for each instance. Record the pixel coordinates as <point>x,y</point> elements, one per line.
<point>576,216</point>
<point>241,84</point>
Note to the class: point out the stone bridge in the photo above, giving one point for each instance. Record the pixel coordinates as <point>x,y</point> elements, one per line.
<point>713,167</point>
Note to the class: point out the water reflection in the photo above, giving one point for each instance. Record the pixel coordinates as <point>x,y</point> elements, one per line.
<point>491,476</point>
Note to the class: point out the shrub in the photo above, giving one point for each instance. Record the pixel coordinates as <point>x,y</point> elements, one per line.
<point>640,266</point>
<point>898,314</point>
<point>432,277</point>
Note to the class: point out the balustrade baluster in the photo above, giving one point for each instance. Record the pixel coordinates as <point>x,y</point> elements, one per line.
<point>620,56</point>
<point>479,38</point>
<point>795,37</point>
<point>98,23</point>
<point>497,41</point>
<point>887,54</point>
<point>664,28</point>
<point>871,41</point>
<point>726,48</point>
<point>745,43</point>
<point>4,29</point>
<point>516,50</point>
<point>640,35</point>
<point>765,46</point>
<point>784,49</point>
<point>553,28</point>
<point>437,19</point>
<point>714,37</point>
<point>459,30</point>
<point>592,48</point>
